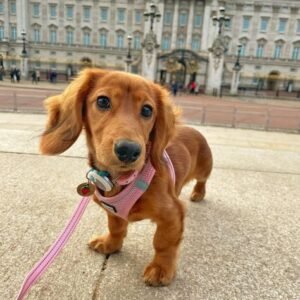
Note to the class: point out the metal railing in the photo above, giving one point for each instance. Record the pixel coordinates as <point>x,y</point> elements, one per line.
<point>234,117</point>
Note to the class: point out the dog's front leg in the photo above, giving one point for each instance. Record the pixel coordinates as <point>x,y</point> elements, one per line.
<point>112,241</point>
<point>166,242</point>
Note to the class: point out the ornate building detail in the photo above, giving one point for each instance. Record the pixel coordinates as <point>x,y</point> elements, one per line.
<point>150,44</point>
<point>218,49</point>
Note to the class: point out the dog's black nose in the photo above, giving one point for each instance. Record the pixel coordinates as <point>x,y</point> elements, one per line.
<point>127,151</point>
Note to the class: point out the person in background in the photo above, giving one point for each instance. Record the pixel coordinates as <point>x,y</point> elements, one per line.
<point>174,87</point>
<point>33,77</point>
<point>38,74</point>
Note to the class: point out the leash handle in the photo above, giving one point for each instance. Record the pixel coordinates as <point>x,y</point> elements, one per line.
<point>39,269</point>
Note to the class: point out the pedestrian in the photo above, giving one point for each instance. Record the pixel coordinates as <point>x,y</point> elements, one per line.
<point>197,88</point>
<point>38,74</point>
<point>1,72</point>
<point>18,75</point>
<point>174,87</point>
<point>33,77</point>
<point>192,87</point>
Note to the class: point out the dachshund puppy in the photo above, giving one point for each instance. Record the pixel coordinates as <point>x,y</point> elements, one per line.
<point>129,121</point>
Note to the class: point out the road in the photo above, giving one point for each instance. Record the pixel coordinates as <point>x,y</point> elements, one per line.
<point>202,109</point>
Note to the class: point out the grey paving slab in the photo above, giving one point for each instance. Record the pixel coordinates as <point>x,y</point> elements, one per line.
<point>37,198</point>
<point>241,243</point>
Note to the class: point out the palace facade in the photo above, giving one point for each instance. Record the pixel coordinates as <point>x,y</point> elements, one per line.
<point>66,35</point>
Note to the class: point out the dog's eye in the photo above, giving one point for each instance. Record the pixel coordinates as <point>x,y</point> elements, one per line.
<point>146,111</point>
<point>103,103</point>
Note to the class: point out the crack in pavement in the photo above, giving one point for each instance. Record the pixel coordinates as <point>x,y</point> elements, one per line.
<point>96,289</point>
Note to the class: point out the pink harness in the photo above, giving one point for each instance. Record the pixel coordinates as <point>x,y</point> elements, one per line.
<point>121,204</point>
<point>118,205</point>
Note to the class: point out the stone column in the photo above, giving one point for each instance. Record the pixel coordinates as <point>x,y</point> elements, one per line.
<point>190,25</point>
<point>235,80</point>
<point>22,24</point>
<point>206,27</point>
<point>175,25</point>
<point>149,56</point>
<point>24,66</point>
<point>6,19</point>
<point>215,67</point>
<point>150,45</point>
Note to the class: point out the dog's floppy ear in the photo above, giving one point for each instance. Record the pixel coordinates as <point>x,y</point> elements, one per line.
<point>65,112</point>
<point>164,126</point>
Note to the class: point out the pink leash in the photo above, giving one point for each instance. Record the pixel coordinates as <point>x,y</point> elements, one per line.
<point>51,254</point>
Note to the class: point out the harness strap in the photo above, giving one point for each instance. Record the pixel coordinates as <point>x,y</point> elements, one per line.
<point>138,188</point>
<point>121,204</point>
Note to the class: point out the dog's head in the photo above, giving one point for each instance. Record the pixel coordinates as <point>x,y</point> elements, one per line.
<point>122,114</point>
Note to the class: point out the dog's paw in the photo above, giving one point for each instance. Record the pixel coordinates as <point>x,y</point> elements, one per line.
<point>196,197</point>
<point>104,244</point>
<point>157,275</point>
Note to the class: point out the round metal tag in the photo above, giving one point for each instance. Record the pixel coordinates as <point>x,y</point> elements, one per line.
<point>86,189</point>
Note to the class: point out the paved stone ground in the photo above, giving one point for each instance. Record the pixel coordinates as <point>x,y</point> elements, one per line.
<point>242,242</point>
<point>263,114</point>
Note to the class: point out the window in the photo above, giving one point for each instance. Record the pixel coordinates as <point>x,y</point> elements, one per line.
<point>298,26</point>
<point>103,14</point>
<point>103,39</point>
<point>121,15</point>
<point>181,42</point>
<point>120,40</point>
<point>243,50</point>
<point>70,11</point>
<point>182,19</point>
<point>35,9</point>
<point>13,8</point>
<point>296,53</point>
<point>36,35</point>
<point>137,42</point>
<point>70,37</point>
<point>282,25</point>
<point>278,50</point>
<point>53,11</point>
<point>86,13</point>
<point>246,23</point>
<point>264,24</point>
<point>1,8</point>
<point>260,50</point>
<point>37,64</point>
<point>227,24</point>
<point>53,35</point>
<point>138,17</point>
<point>13,32</point>
<point>1,32</point>
<point>53,65</point>
<point>168,18</point>
<point>166,43</point>
<point>86,38</point>
<point>196,44</point>
<point>197,20</point>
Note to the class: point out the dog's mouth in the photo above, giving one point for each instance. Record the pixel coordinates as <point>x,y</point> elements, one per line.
<point>125,178</point>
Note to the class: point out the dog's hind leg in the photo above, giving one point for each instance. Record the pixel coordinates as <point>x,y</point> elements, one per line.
<point>198,191</point>
<point>201,174</point>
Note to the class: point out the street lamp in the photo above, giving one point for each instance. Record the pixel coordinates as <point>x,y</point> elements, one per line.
<point>129,58</point>
<point>221,20</point>
<point>23,33</point>
<point>237,65</point>
<point>234,88</point>
<point>153,13</point>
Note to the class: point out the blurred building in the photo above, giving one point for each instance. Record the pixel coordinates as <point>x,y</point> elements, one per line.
<point>69,34</point>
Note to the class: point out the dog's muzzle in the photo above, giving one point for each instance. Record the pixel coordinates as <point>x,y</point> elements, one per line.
<point>127,151</point>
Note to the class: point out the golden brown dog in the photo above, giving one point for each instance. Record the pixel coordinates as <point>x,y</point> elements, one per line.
<point>116,107</point>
